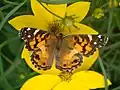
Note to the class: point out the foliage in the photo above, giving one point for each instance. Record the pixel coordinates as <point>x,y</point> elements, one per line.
<point>14,71</point>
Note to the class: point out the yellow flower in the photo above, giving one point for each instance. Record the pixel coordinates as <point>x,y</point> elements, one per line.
<point>113,3</point>
<point>69,17</point>
<point>83,80</point>
<point>98,13</point>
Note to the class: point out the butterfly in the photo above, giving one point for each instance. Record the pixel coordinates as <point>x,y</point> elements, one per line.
<point>68,51</point>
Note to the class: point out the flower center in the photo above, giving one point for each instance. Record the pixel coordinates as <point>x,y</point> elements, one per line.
<point>65,76</point>
<point>68,21</point>
<point>57,26</point>
<point>54,27</point>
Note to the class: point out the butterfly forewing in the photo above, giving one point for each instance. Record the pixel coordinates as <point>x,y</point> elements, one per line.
<point>41,45</point>
<point>87,44</point>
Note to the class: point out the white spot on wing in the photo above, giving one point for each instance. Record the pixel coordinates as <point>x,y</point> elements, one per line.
<point>99,36</point>
<point>90,37</point>
<point>95,43</point>
<point>28,29</point>
<point>37,30</point>
<point>107,39</point>
<point>29,36</point>
<point>25,31</point>
<point>101,39</point>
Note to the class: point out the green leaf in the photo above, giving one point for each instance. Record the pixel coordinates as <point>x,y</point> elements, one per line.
<point>58,1</point>
<point>1,66</point>
<point>104,73</point>
<point>10,13</point>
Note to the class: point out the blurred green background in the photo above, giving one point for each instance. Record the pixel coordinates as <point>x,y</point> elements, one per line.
<point>103,16</point>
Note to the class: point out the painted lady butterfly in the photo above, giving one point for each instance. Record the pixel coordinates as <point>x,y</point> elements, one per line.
<point>68,51</point>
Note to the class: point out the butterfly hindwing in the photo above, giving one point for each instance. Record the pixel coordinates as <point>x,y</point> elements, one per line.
<point>67,58</point>
<point>39,43</point>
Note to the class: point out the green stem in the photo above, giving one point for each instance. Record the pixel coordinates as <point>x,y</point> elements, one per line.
<point>109,29</point>
<point>104,73</point>
<point>104,5</point>
<point>59,1</point>
<point>5,7</point>
<point>8,41</point>
<point>9,2</point>
<point>1,66</point>
<point>10,13</point>
<point>111,47</point>
<point>117,88</point>
<point>3,76</point>
<point>1,15</point>
<point>50,11</point>
<point>13,66</point>
<point>6,58</point>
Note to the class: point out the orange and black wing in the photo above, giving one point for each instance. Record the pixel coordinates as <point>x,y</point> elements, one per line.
<point>87,44</point>
<point>41,45</point>
<point>67,58</point>
<point>71,49</point>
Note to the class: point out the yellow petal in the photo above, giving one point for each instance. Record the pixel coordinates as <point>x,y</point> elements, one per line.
<point>41,82</point>
<point>40,12</point>
<point>88,61</point>
<point>74,85</point>
<point>26,56</point>
<point>78,28</point>
<point>62,86</point>
<point>78,10</point>
<point>69,86</point>
<point>26,21</point>
<point>58,10</point>
<point>89,79</point>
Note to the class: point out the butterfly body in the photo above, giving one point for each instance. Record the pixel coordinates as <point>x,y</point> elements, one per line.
<point>68,51</point>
